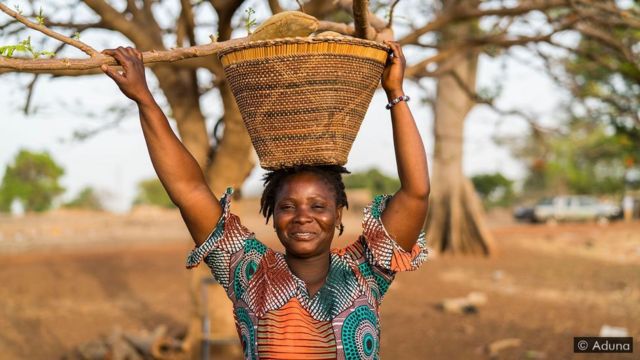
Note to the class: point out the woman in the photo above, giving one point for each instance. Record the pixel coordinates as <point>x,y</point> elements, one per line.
<point>311,302</point>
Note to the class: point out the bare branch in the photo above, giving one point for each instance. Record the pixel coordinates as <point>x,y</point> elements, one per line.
<point>42,65</point>
<point>43,29</point>
<point>475,97</point>
<point>186,24</point>
<point>30,87</point>
<point>114,20</point>
<point>461,12</point>
<point>275,7</point>
<point>225,11</point>
<point>360,18</point>
<point>132,7</point>
<point>391,10</point>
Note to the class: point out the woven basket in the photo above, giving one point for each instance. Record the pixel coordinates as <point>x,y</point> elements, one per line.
<point>303,99</point>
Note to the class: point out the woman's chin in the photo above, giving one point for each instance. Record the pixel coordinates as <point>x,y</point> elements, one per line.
<point>303,249</point>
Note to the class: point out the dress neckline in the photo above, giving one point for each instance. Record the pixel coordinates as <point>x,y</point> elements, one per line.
<point>301,285</point>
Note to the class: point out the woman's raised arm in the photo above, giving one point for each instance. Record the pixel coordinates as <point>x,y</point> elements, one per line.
<point>405,214</point>
<point>178,171</point>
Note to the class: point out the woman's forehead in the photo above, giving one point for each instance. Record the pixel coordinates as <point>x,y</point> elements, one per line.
<point>306,184</point>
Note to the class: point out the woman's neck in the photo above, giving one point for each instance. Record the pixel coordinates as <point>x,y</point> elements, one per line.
<point>313,270</point>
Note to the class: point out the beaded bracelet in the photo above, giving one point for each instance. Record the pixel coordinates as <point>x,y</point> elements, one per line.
<point>397,100</point>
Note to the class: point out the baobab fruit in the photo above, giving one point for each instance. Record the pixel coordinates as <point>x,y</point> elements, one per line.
<point>329,34</point>
<point>285,24</point>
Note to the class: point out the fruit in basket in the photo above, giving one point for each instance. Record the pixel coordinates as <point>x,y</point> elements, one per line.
<point>329,34</point>
<point>285,24</point>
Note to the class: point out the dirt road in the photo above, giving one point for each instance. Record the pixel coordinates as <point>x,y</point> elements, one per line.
<point>63,287</point>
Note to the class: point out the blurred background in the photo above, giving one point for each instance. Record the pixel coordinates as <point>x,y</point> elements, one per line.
<point>529,113</point>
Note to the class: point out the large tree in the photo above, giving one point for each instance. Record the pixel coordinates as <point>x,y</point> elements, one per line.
<point>452,34</point>
<point>447,36</point>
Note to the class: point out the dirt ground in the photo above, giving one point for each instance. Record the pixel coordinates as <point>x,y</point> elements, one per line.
<point>71,277</point>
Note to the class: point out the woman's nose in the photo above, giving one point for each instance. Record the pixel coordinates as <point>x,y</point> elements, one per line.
<point>302,215</point>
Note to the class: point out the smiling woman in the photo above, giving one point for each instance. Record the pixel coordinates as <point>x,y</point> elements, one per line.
<point>311,302</point>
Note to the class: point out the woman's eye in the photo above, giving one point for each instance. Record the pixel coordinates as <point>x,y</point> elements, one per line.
<point>318,206</point>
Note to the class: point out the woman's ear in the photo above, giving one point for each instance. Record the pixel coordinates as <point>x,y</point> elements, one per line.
<point>339,214</point>
<point>339,225</point>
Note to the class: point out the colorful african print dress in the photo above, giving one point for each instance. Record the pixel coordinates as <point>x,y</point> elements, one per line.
<point>274,314</point>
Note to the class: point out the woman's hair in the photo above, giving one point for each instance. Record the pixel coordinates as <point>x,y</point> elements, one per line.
<point>273,181</point>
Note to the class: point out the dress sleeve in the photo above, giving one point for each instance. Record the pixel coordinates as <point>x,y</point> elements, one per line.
<point>383,250</point>
<point>227,240</point>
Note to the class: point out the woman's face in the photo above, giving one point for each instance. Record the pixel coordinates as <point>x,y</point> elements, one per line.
<point>305,215</point>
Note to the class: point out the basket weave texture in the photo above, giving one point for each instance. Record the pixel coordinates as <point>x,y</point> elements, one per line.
<point>303,99</point>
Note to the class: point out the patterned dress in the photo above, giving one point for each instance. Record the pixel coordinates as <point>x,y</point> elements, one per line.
<point>274,314</point>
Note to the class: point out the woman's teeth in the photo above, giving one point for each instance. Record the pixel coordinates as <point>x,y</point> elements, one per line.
<point>303,235</point>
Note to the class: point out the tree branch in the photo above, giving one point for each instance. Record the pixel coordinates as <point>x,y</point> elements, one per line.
<point>43,29</point>
<point>42,65</point>
<point>275,7</point>
<point>360,18</point>
<point>462,12</point>
<point>391,10</point>
<point>114,20</point>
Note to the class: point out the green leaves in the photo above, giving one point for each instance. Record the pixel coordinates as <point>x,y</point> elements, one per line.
<point>32,179</point>
<point>24,46</point>
<point>250,21</point>
<point>373,180</point>
<point>40,18</point>
<point>494,189</point>
<point>151,192</point>
<point>86,199</point>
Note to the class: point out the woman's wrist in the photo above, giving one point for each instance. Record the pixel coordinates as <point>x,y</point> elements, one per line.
<point>394,94</point>
<point>146,100</point>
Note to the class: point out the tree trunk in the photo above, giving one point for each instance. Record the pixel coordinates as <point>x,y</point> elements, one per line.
<point>234,157</point>
<point>455,223</point>
<point>180,87</point>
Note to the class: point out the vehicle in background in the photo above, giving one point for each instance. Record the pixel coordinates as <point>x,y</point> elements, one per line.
<point>523,214</point>
<point>569,208</point>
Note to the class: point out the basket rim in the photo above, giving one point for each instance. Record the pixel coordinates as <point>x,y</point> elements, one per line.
<point>302,40</point>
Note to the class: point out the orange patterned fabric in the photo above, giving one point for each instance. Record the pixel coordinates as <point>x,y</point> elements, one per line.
<point>292,333</point>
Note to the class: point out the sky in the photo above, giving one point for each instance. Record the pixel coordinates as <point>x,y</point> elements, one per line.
<point>115,160</point>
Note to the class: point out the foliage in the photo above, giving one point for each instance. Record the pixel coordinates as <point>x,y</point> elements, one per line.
<point>494,189</point>
<point>583,158</point>
<point>605,82</point>
<point>249,21</point>
<point>86,199</point>
<point>26,47</point>
<point>31,178</point>
<point>151,192</point>
<point>373,180</point>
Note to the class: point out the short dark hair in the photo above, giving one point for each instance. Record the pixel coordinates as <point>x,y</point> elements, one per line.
<point>273,180</point>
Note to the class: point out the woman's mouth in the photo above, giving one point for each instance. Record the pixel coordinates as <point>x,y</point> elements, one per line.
<point>302,236</point>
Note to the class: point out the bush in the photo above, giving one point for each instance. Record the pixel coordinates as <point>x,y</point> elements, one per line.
<point>494,189</point>
<point>151,192</point>
<point>33,179</point>
<point>373,180</point>
<point>87,199</point>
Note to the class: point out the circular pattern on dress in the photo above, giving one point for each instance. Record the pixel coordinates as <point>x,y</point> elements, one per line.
<point>247,267</point>
<point>360,334</point>
<point>247,334</point>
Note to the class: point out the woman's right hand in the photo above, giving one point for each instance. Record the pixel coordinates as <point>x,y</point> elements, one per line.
<point>131,81</point>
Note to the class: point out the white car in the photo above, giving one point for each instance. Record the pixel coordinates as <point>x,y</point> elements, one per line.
<point>574,208</point>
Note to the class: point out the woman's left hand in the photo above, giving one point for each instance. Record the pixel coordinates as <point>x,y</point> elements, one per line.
<point>393,74</point>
